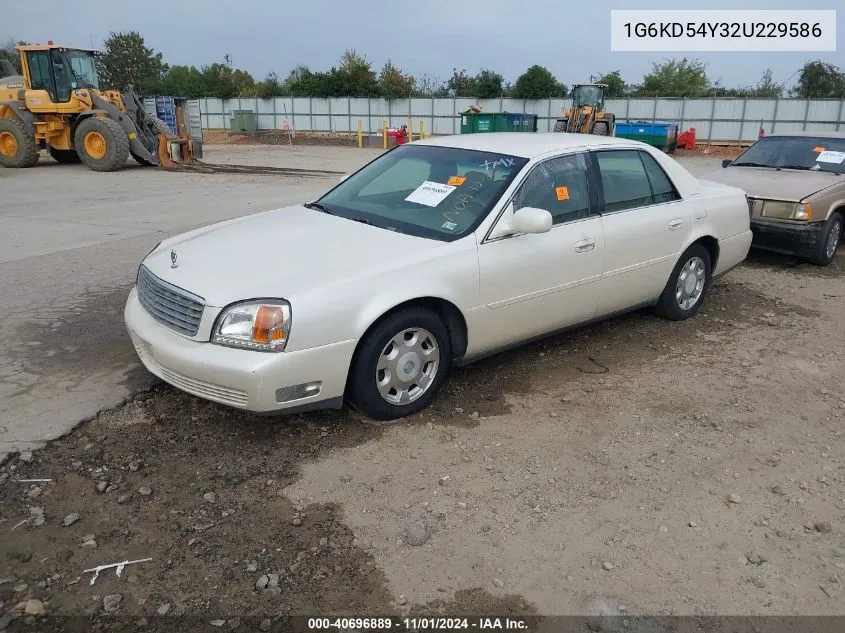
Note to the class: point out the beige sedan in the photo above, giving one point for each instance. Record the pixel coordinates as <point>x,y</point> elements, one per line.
<point>795,184</point>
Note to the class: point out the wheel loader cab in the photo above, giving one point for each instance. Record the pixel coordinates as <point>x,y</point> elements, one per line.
<point>589,95</point>
<point>58,72</point>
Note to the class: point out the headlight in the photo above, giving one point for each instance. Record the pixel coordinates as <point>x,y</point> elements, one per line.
<point>787,210</point>
<point>780,210</point>
<point>262,326</point>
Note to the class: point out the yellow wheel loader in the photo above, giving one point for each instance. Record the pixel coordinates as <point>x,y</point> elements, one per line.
<point>587,114</point>
<point>56,104</point>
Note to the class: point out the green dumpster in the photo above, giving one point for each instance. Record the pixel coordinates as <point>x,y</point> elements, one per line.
<point>475,122</point>
<point>243,121</point>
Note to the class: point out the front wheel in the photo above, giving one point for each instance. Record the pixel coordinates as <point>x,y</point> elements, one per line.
<point>102,144</point>
<point>829,242</point>
<point>601,128</point>
<point>687,285</point>
<point>400,365</point>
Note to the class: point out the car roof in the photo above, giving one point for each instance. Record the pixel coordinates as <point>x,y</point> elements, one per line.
<point>820,133</point>
<point>527,144</point>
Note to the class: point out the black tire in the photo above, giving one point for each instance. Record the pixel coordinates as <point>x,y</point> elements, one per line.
<point>830,239</point>
<point>668,306</point>
<point>64,156</point>
<point>25,150</point>
<point>116,150</point>
<point>601,128</point>
<point>560,125</point>
<point>362,391</point>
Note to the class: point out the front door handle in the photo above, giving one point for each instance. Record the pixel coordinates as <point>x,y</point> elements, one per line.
<point>675,224</point>
<point>584,246</point>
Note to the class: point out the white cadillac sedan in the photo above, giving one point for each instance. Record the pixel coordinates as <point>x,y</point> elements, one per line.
<point>433,255</point>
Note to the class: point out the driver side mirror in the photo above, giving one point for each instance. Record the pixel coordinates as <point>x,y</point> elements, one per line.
<point>726,162</point>
<point>531,220</point>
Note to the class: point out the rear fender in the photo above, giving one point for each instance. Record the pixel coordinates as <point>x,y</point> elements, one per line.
<point>17,109</point>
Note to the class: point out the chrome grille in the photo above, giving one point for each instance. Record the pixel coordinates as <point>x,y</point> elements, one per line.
<point>176,308</point>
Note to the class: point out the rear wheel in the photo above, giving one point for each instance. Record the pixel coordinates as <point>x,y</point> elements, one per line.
<point>560,125</point>
<point>400,365</point>
<point>829,242</point>
<point>17,144</point>
<point>102,144</point>
<point>687,285</point>
<point>64,156</point>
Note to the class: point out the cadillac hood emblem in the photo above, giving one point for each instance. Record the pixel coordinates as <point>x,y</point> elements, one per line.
<point>173,258</point>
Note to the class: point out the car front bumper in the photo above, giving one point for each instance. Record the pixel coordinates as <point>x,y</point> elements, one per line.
<point>800,240</point>
<point>255,381</point>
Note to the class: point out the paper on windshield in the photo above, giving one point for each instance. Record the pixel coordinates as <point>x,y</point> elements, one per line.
<point>828,156</point>
<point>430,193</point>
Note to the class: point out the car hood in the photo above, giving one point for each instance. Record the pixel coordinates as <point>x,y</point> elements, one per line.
<point>762,182</point>
<point>279,254</point>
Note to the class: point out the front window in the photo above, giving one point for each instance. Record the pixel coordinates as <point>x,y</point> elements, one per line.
<point>442,193</point>
<point>82,66</point>
<point>73,70</point>
<point>814,153</point>
<point>588,95</point>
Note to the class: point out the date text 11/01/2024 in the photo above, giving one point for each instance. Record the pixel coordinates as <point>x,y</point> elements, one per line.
<point>417,624</point>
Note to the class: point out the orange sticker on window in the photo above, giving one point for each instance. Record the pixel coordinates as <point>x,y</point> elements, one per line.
<point>456,181</point>
<point>562,193</point>
<point>818,150</point>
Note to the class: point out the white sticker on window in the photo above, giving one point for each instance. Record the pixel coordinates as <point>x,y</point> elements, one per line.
<point>828,156</point>
<point>450,226</point>
<point>430,193</point>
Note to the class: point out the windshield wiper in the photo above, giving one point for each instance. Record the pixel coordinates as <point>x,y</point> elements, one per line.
<point>750,165</point>
<point>801,167</point>
<point>319,206</point>
<point>361,220</point>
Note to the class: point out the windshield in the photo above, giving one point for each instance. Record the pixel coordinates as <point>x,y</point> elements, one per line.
<point>815,153</point>
<point>587,95</point>
<point>437,192</point>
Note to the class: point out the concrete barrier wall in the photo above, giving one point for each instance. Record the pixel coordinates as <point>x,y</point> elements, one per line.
<point>716,120</point>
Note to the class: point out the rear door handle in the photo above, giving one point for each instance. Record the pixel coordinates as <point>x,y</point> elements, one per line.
<point>584,246</point>
<point>675,224</point>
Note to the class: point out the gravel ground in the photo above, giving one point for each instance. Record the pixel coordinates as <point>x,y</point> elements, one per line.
<point>632,467</point>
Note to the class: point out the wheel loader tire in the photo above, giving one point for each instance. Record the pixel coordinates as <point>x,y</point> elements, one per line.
<point>102,144</point>
<point>64,156</point>
<point>560,125</point>
<point>17,144</point>
<point>600,128</point>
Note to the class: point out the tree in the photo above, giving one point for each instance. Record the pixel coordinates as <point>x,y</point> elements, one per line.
<point>184,81</point>
<point>394,83</point>
<point>767,87</point>
<point>538,83</point>
<point>616,86</point>
<point>819,80</point>
<point>460,84</point>
<point>354,78</point>
<point>127,60</point>
<point>9,53</point>
<point>430,86</point>
<point>674,78</point>
<point>488,84</point>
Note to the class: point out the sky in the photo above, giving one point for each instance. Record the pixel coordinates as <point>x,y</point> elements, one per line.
<point>569,37</point>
